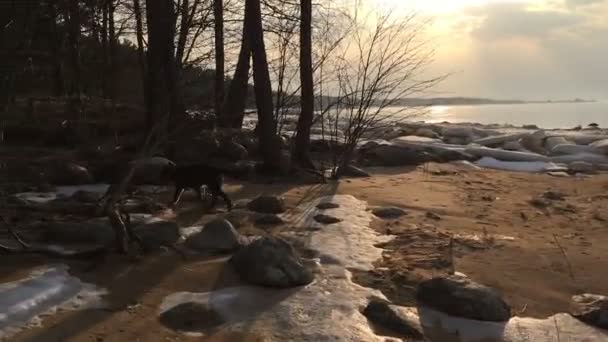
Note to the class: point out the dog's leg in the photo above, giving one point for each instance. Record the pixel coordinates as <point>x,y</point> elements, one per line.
<point>178,194</point>
<point>199,192</point>
<point>217,191</point>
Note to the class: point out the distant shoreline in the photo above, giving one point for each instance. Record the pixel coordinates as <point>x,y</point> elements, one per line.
<point>465,101</point>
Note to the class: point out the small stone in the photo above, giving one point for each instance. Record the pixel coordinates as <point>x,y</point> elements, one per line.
<point>326,219</point>
<point>553,195</point>
<point>389,212</point>
<point>267,205</point>
<point>591,309</point>
<point>433,216</point>
<point>216,236</point>
<point>383,314</point>
<point>539,203</point>
<point>327,205</point>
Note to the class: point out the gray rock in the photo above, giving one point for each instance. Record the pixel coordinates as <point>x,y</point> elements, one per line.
<point>353,171</point>
<point>268,220</point>
<point>591,309</point>
<point>554,195</point>
<point>238,217</point>
<point>158,234</point>
<point>389,212</point>
<point>327,205</point>
<point>86,196</point>
<point>216,236</point>
<point>581,166</point>
<point>267,205</point>
<point>381,313</point>
<point>393,155</point>
<point>68,174</point>
<point>326,219</point>
<point>232,151</point>
<point>92,231</point>
<point>460,296</point>
<point>271,262</point>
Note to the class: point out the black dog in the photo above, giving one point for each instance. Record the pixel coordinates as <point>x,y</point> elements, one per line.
<point>193,176</point>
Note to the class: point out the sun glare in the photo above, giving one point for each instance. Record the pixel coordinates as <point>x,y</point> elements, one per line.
<point>438,6</point>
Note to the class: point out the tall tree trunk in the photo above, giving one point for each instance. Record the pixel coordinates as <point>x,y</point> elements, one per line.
<point>184,28</point>
<point>55,44</point>
<point>74,42</point>
<point>112,51</point>
<point>218,13</point>
<point>234,107</point>
<point>104,51</point>
<point>269,144</point>
<point>141,56</point>
<point>161,80</point>
<point>302,145</point>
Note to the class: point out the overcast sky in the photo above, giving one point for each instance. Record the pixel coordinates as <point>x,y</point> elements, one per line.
<point>528,49</point>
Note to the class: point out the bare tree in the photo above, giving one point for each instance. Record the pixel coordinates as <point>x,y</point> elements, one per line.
<point>268,139</point>
<point>141,55</point>
<point>234,107</point>
<point>218,15</point>
<point>161,86</point>
<point>307,100</point>
<point>382,64</point>
<point>73,21</point>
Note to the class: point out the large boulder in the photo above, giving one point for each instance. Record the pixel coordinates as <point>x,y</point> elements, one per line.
<point>271,262</point>
<point>562,149</point>
<point>534,142</point>
<point>158,234</point>
<point>498,140</point>
<point>267,205</point>
<point>591,309</point>
<point>232,151</point>
<point>460,296</point>
<point>601,146</point>
<point>505,155</point>
<point>68,173</point>
<point>393,155</point>
<point>551,142</point>
<point>92,231</point>
<point>216,236</point>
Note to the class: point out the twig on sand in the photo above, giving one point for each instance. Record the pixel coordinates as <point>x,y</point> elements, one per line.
<point>565,256</point>
<point>523,310</point>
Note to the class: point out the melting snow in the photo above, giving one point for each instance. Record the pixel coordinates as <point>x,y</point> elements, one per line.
<point>46,290</point>
<point>521,166</point>
<point>350,242</point>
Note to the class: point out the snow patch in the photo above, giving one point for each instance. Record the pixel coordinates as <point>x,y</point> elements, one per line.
<point>327,309</point>
<point>445,328</point>
<point>42,293</point>
<point>350,242</point>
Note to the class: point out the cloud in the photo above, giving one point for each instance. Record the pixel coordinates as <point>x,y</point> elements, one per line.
<point>548,50</point>
<point>577,3</point>
<point>506,21</point>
